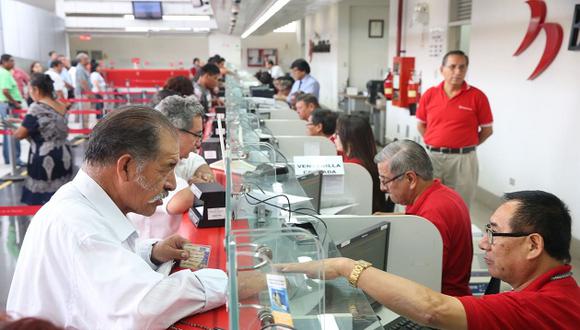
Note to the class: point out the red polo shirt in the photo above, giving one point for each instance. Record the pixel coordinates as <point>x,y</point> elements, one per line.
<point>443,207</point>
<point>454,122</point>
<point>544,304</point>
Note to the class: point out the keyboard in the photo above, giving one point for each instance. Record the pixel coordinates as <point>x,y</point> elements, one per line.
<point>404,323</point>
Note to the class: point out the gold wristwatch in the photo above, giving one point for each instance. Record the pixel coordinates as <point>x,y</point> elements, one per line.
<point>359,267</point>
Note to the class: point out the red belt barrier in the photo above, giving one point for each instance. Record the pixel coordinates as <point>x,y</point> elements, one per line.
<point>19,210</point>
<point>118,93</point>
<point>5,132</point>
<point>108,101</point>
<point>86,112</point>
<point>80,130</point>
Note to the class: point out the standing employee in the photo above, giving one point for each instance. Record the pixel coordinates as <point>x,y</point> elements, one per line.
<point>454,118</point>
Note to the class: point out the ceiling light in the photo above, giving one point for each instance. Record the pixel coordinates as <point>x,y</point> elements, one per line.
<point>129,17</point>
<point>265,17</point>
<point>196,18</point>
<point>200,30</point>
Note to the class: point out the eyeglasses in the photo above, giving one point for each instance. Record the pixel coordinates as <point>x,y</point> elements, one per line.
<point>198,135</point>
<point>386,182</point>
<point>490,234</point>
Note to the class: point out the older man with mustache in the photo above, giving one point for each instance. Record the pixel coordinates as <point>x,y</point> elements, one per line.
<point>81,265</point>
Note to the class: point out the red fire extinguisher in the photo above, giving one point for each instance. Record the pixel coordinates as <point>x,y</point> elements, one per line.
<point>388,86</point>
<point>414,88</point>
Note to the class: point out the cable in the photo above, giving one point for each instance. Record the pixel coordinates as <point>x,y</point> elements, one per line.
<point>265,201</point>
<point>289,210</point>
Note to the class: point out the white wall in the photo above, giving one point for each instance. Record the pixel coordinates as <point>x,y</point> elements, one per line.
<point>371,62</point>
<point>357,60</point>
<point>286,43</point>
<point>29,32</point>
<point>535,131</point>
<point>324,66</point>
<point>227,46</point>
<point>158,50</point>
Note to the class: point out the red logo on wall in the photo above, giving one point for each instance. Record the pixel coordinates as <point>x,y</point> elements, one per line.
<point>554,35</point>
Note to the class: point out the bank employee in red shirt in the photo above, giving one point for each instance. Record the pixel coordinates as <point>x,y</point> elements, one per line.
<point>454,118</point>
<point>406,174</point>
<point>527,245</point>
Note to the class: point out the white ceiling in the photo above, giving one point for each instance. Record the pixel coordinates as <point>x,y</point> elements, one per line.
<point>250,10</point>
<point>106,16</point>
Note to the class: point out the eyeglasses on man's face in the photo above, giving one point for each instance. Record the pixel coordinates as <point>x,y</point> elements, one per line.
<point>198,135</point>
<point>384,181</point>
<point>491,234</point>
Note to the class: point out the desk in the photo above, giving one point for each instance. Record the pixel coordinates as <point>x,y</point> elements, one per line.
<point>378,113</point>
<point>351,101</point>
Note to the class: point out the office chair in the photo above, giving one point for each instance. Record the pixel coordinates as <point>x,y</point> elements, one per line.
<point>493,286</point>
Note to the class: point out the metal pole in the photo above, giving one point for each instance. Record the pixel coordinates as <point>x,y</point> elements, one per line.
<point>14,176</point>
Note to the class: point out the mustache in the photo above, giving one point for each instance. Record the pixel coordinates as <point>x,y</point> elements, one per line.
<point>159,196</point>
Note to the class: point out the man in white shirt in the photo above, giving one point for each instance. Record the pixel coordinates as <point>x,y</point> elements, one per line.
<point>81,265</point>
<point>274,70</point>
<point>185,113</point>
<point>56,67</point>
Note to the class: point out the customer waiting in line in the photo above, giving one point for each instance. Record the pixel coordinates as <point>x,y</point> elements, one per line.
<point>50,163</point>
<point>99,86</point>
<point>186,115</point>
<point>322,122</point>
<point>10,99</point>
<point>82,266</point>
<point>56,68</point>
<point>356,143</point>
<point>177,85</point>
<point>208,80</point>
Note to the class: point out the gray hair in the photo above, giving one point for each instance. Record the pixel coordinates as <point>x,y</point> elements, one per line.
<point>134,130</point>
<point>406,155</point>
<point>180,110</point>
<point>81,56</point>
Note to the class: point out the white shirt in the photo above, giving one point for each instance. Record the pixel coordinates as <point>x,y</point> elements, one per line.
<point>72,71</point>
<point>161,224</point>
<point>81,267</point>
<point>57,81</point>
<point>186,167</point>
<point>98,82</point>
<point>276,72</point>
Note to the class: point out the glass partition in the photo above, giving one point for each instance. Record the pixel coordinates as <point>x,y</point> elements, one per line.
<point>263,201</point>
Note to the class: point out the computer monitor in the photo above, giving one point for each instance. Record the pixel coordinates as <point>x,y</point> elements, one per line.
<point>370,244</point>
<point>262,92</point>
<point>312,185</point>
<point>147,10</point>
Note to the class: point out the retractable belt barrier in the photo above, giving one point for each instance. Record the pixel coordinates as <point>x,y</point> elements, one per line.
<point>23,210</point>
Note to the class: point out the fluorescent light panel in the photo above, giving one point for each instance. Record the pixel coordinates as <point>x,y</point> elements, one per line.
<point>265,17</point>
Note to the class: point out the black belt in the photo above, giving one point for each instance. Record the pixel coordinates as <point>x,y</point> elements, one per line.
<point>445,150</point>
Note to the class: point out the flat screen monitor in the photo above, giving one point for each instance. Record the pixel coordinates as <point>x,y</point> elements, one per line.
<point>147,10</point>
<point>312,185</point>
<point>262,92</point>
<point>371,244</point>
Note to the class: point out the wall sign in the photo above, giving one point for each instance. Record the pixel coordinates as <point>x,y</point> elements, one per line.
<point>554,36</point>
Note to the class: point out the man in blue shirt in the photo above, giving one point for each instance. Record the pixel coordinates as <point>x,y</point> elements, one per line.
<point>303,81</point>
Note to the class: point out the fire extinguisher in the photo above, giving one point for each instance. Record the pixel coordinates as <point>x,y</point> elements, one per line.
<point>414,88</point>
<point>388,86</point>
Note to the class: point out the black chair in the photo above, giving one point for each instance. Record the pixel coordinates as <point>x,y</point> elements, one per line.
<point>493,286</point>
